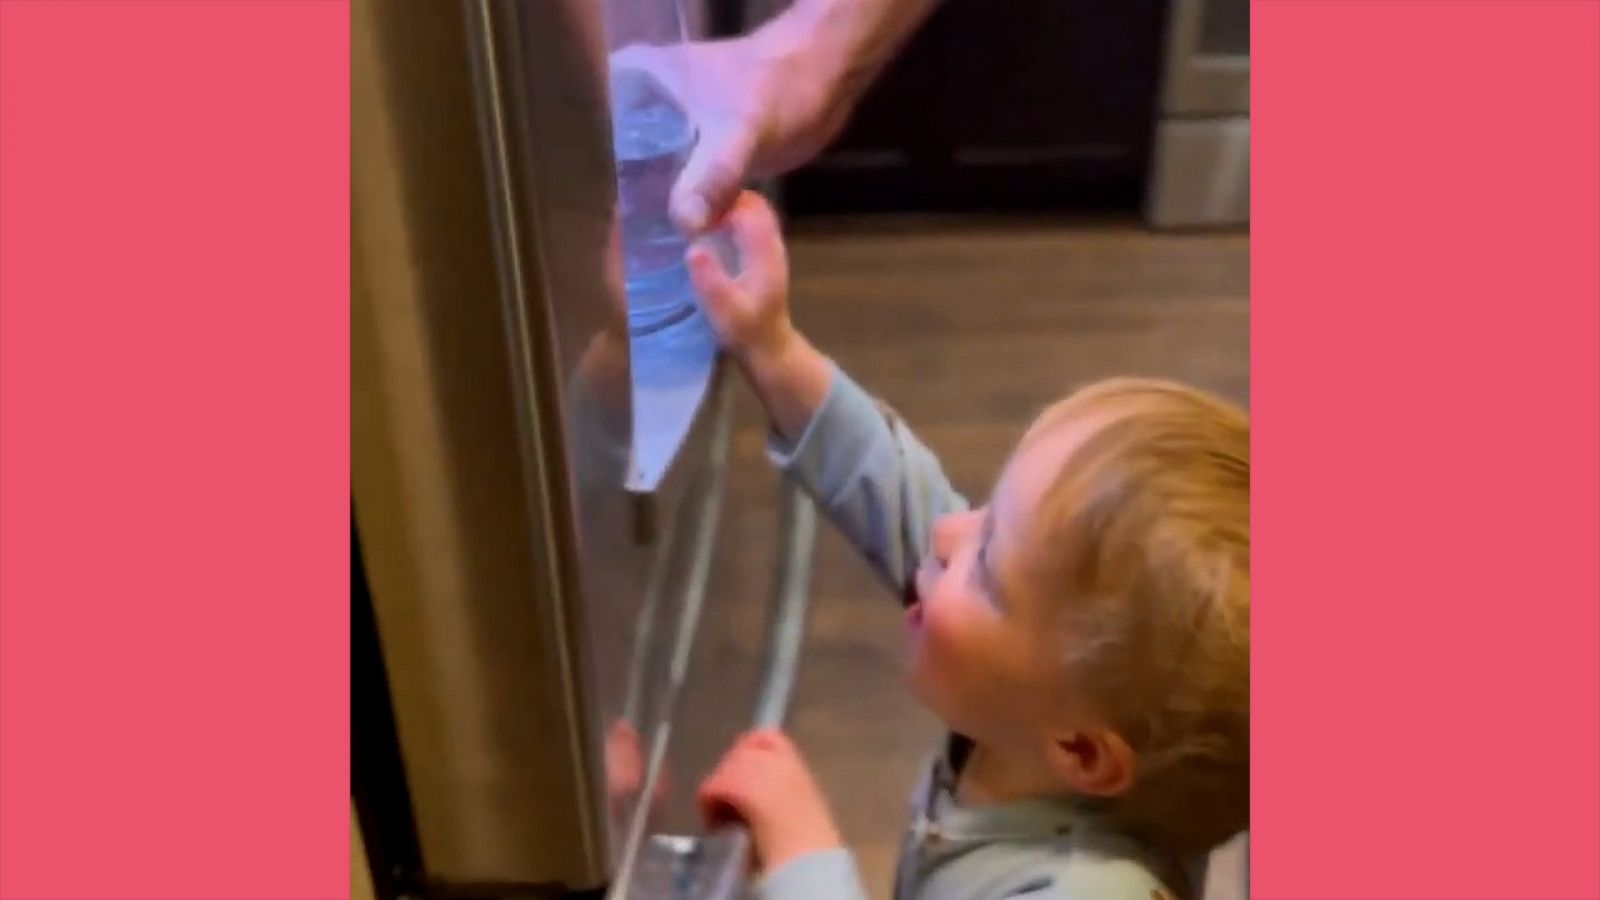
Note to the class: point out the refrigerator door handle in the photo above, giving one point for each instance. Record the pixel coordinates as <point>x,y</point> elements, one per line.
<point>715,866</point>
<point>785,637</point>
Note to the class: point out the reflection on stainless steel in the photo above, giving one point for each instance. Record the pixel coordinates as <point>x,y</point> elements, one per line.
<point>644,629</point>
<point>672,369</point>
<point>701,547</point>
<point>676,867</point>
<point>713,866</point>
<point>540,645</point>
<point>517,299</point>
<point>651,137</point>
<point>672,347</point>
<point>792,595</point>
<point>680,867</point>
<point>727,851</point>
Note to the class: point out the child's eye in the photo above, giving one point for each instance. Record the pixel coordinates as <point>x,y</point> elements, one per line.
<point>980,568</point>
<point>983,576</point>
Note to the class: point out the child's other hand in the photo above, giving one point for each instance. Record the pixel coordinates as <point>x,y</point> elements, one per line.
<point>750,313</point>
<point>764,782</point>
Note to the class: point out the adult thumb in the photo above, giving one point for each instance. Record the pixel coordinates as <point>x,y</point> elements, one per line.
<point>712,178</point>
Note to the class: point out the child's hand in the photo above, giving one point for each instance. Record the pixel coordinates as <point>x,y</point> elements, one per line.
<point>750,313</point>
<point>763,781</point>
<point>751,317</point>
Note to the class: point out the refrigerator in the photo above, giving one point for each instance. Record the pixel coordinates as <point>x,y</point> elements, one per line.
<point>552,639</point>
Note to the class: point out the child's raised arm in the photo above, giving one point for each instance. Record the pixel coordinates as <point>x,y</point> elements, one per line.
<point>750,314</point>
<point>880,485</point>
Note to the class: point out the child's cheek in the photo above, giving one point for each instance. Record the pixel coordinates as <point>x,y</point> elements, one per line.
<point>942,641</point>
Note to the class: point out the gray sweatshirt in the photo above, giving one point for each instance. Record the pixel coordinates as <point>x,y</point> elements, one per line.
<point>883,489</point>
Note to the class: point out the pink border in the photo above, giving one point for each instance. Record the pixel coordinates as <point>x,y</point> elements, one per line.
<point>174,642</point>
<point>173,449</point>
<point>1426,385</point>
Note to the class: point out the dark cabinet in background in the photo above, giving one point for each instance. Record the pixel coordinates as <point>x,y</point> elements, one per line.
<point>1002,104</point>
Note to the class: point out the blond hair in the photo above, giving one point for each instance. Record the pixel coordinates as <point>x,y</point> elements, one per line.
<point>1147,545</point>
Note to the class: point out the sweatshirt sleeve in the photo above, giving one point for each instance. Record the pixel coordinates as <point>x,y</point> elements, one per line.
<point>829,874</point>
<point>872,478</point>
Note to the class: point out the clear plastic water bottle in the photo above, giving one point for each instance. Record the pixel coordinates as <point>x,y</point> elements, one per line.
<point>651,138</point>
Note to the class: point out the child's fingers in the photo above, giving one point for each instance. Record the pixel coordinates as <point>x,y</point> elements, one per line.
<point>756,233</point>
<point>716,810</point>
<point>725,796</point>
<point>714,806</point>
<point>748,772</point>
<point>715,287</point>
<point>725,780</point>
<point>769,742</point>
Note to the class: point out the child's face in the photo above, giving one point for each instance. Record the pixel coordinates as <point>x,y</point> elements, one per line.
<point>986,647</point>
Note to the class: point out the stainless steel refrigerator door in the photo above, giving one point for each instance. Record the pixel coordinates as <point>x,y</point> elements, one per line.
<point>689,642</point>
<point>478,358</point>
<point>565,658</point>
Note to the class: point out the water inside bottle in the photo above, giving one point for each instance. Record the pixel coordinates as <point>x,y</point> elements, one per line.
<point>652,138</point>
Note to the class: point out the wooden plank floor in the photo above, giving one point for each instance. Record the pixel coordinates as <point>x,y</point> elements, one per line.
<point>968,328</point>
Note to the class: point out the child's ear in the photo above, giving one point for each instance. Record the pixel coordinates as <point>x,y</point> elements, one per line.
<point>1096,761</point>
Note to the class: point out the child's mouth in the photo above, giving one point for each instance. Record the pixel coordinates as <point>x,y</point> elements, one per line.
<point>913,604</point>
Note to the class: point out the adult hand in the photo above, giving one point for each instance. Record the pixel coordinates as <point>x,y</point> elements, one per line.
<point>763,104</point>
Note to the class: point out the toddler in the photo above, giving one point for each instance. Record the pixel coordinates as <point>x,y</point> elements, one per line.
<point>1084,635</point>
